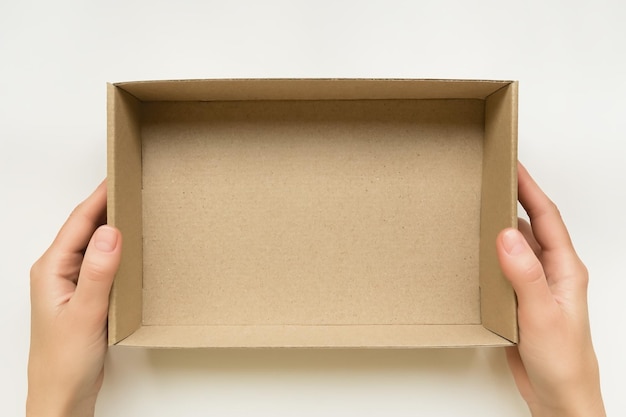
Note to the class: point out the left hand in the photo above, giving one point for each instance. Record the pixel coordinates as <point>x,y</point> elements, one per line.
<point>70,286</point>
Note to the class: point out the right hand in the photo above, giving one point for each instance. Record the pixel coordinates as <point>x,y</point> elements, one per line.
<point>554,365</point>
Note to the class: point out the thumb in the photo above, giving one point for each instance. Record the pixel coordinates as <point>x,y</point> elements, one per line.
<point>100,263</point>
<point>522,268</point>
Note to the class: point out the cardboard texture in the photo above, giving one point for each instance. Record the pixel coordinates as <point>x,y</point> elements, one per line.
<point>312,213</point>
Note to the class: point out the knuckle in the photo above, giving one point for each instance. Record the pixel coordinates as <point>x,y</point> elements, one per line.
<point>584,274</point>
<point>65,266</point>
<point>548,207</point>
<point>554,209</point>
<point>553,206</point>
<point>543,321</point>
<point>78,211</point>
<point>575,270</point>
<point>96,270</point>
<point>75,211</point>
<point>533,270</point>
<point>35,270</point>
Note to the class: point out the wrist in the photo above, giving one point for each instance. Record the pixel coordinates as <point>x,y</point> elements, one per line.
<point>39,408</point>
<point>49,406</point>
<point>587,406</point>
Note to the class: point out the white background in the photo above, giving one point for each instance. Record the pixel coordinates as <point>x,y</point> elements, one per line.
<point>55,57</point>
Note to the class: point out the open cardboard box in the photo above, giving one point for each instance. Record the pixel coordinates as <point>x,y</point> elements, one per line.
<point>312,213</point>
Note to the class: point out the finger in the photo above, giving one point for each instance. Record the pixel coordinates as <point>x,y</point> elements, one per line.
<point>548,226</point>
<point>524,271</point>
<point>79,227</point>
<point>100,264</point>
<point>524,227</point>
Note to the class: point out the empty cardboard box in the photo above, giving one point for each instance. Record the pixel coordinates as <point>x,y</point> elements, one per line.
<point>312,213</point>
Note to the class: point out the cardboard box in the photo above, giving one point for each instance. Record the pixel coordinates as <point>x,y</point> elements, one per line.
<point>312,213</point>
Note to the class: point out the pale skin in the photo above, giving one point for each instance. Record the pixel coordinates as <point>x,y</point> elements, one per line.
<point>69,303</point>
<point>554,365</point>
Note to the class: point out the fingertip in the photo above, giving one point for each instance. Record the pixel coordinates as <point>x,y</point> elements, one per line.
<point>100,264</point>
<point>524,271</point>
<point>106,238</point>
<point>513,242</point>
<point>517,259</point>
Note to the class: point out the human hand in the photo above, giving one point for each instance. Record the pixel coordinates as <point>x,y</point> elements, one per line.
<point>554,365</point>
<point>70,287</point>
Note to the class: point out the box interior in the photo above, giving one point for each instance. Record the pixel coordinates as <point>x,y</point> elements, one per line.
<point>267,219</point>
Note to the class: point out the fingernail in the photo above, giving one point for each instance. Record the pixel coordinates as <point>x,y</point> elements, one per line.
<point>105,239</point>
<point>513,242</point>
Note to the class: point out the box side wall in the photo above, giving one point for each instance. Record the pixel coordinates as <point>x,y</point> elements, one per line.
<point>309,89</point>
<point>124,209</point>
<point>498,209</point>
<point>365,336</point>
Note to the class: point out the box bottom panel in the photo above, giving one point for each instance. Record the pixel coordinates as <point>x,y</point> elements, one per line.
<point>312,213</point>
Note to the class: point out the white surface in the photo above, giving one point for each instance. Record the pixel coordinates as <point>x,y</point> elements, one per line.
<point>55,58</point>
